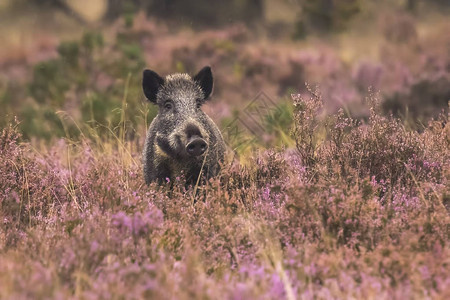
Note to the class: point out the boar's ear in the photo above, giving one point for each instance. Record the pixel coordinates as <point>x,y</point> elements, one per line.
<point>151,82</point>
<point>205,79</point>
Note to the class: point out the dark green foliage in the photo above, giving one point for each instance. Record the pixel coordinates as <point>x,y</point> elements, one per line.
<point>326,16</point>
<point>193,13</point>
<point>205,13</point>
<point>70,83</point>
<point>279,118</point>
<point>91,41</point>
<point>278,123</point>
<point>48,85</point>
<point>95,108</point>
<point>413,5</point>
<point>41,122</point>
<point>69,52</point>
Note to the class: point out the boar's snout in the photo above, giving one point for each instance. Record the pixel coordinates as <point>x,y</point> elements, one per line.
<point>197,146</point>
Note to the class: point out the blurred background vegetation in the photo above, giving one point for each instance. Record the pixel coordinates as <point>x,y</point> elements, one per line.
<point>72,68</point>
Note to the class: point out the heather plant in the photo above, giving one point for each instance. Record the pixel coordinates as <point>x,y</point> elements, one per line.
<point>380,147</point>
<point>322,204</point>
<point>307,123</point>
<point>29,191</point>
<point>267,229</point>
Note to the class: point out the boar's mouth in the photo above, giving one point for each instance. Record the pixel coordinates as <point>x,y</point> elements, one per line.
<point>172,148</point>
<point>175,148</point>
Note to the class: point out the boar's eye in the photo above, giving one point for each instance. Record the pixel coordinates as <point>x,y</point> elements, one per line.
<point>168,105</point>
<point>198,104</point>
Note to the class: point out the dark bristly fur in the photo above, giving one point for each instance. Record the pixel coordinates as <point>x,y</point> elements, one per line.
<point>180,121</point>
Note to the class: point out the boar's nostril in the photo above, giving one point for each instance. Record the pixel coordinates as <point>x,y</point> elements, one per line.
<point>196,147</point>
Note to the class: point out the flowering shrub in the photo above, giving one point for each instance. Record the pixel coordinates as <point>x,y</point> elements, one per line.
<point>359,209</point>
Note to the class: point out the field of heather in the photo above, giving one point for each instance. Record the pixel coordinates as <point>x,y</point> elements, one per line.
<point>336,180</point>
